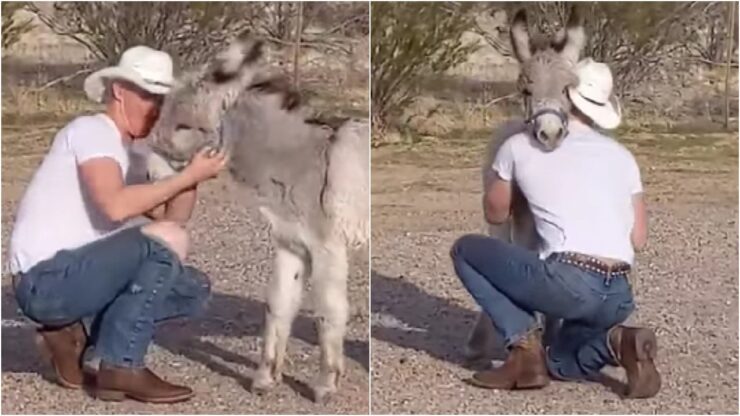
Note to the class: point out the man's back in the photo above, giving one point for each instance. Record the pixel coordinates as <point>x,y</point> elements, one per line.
<point>580,194</point>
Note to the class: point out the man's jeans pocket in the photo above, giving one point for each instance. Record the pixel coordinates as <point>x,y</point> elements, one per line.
<point>617,309</point>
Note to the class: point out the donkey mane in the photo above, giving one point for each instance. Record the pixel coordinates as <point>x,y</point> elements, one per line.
<point>279,84</point>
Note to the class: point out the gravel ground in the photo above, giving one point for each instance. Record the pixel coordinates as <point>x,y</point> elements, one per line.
<point>217,354</point>
<point>686,286</point>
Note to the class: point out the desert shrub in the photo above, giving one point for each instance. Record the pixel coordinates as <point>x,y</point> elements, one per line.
<point>13,27</point>
<point>640,41</point>
<point>409,41</point>
<point>192,31</point>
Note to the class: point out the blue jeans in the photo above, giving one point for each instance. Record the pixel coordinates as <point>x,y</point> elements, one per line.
<point>123,284</point>
<point>510,283</point>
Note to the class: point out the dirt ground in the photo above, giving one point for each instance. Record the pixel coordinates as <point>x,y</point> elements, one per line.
<point>686,281</point>
<point>217,354</point>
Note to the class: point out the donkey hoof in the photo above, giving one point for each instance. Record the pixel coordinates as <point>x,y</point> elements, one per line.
<point>323,394</point>
<point>262,384</point>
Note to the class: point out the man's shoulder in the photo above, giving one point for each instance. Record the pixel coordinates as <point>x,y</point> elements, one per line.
<point>520,143</point>
<point>613,145</point>
<point>91,128</point>
<point>90,122</point>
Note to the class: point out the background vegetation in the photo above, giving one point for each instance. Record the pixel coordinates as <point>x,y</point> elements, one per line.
<point>672,61</point>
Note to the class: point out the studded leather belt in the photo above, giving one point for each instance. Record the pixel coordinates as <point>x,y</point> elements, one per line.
<point>592,264</point>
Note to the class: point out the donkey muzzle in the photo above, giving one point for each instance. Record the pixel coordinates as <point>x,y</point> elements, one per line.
<point>549,127</point>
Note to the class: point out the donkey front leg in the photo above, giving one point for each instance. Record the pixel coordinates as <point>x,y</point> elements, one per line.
<point>283,301</point>
<point>330,268</point>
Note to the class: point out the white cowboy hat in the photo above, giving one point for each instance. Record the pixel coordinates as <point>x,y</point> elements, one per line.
<point>149,69</point>
<point>593,92</point>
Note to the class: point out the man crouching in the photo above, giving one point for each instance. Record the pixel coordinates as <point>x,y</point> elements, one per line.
<point>80,252</point>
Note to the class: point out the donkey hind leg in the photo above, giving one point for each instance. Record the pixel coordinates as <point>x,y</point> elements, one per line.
<point>329,274</point>
<point>283,301</point>
<point>481,343</point>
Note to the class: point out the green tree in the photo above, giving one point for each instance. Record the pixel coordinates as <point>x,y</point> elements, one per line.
<point>410,40</point>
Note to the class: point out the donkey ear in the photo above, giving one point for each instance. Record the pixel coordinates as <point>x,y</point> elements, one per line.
<point>240,53</point>
<point>520,36</point>
<point>575,37</point>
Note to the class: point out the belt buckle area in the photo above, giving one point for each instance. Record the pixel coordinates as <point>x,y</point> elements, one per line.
<point>591,264</point>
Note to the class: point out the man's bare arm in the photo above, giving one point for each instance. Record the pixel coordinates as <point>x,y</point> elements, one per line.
<point>180,208</point>
<point>640,229</point>
<point>103,179</point>
<point>497,200</point>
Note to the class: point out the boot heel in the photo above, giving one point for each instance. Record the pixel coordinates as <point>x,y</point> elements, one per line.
<point>646,345</point>
<point>43,348</point>
<point>535,382</point>
<point>110,395</point>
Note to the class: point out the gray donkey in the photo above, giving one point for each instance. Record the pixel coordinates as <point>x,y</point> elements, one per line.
<point>310,180</point>
<point>546,71</point>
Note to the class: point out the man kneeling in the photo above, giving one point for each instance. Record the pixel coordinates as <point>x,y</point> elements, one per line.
<point>78,253</point>
<point>587,201</point>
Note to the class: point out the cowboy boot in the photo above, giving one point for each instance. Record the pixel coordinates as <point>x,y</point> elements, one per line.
<point>118,383</point>
<point>635,349</point>
<point>63,348</point>
<point>524,368</point>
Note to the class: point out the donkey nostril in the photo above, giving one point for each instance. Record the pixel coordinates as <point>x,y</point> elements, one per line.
<point>542,135</point>
<point>560,132</point>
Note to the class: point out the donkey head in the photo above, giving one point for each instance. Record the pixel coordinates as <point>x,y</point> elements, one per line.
<point>546,73</point>
<point>190,118</point>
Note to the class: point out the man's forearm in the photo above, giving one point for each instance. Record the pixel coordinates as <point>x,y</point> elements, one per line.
<point>494,215</point>
<point>156,213</point>
<point>180,208</point>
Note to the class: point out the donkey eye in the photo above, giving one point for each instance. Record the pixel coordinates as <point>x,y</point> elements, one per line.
<point>186,127</point>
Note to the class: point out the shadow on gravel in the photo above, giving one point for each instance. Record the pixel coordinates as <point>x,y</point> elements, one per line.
<point>407,316</point>
<point>226,315</point>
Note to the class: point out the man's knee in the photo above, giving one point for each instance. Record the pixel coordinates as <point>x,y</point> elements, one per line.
<point>461,245</point>
<point>201,282</point>
<point>170,234</point>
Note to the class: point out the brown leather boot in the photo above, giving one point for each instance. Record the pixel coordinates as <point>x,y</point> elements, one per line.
<point>635,349</point>
<point>63,348</point>
<point>118,383</point>
<point>524,368</point>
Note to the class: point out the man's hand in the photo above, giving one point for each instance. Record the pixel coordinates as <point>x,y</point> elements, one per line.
<point>205,165</point>
<point>497,200</point>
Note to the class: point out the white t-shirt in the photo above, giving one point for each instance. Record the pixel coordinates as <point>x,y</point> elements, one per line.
<point>55,212</point>
<point>580,194</point>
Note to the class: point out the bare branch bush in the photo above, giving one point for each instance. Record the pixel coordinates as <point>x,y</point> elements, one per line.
<point>190,31</point>
<point>640,43</point>
<point>13,27</point>
<point>411,40</point>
